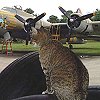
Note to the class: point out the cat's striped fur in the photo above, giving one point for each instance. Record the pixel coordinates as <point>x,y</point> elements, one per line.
<point>66,74</point>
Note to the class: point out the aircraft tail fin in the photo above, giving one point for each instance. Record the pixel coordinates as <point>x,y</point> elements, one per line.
<point>79,11</point>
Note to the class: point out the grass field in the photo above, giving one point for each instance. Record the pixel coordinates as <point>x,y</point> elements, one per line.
<point>21,47</point>
<point>89,48</point>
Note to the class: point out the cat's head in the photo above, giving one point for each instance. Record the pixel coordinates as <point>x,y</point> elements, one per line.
<point>41,35</point>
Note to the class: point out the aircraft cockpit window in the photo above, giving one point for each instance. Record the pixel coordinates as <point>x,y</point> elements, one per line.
<point>12,10</point>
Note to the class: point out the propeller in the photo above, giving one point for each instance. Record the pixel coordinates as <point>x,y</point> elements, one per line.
<point>64,12</point>
<point>74,20</point>
<point>29,23</point>
<point>20,18</point>
<point>85,17</point>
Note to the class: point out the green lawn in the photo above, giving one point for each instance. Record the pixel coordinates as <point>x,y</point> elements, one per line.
<point>89,48</point>
<point>21,47</point>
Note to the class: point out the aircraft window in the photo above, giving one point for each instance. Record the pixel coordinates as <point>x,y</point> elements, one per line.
<point>1,21</point>
<point>6,8</point>
<point>9,9</point>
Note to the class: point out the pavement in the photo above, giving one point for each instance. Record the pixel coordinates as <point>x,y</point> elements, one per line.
<point>92,63</point>
<point>6,60</point>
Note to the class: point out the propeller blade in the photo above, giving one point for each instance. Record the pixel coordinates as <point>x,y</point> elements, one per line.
<point>29,23</point>
<point>85,17</point>
<point>27,42</point>
<point>20,18</point>
<point>37,19</point>
<point>64,12</point>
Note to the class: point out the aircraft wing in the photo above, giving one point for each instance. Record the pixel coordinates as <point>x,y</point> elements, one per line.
<point>89,37</point>
<point>64,30</point>
<point>94,37</point>
<point>59,24</point>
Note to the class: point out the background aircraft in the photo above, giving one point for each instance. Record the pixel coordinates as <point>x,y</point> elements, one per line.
<point>79,26</point>
<point>16,23</point>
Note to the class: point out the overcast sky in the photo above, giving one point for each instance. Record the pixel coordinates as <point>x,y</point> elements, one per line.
<point>51,6</point>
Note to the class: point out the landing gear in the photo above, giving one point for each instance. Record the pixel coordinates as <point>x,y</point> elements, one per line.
<point>26,42</point>
<point>70,46</point>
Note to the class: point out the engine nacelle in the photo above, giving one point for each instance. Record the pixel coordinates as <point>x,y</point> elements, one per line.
<point>80,26</point>
<point>84,27</point>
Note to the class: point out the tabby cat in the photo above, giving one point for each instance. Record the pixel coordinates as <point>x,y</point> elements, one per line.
<point>66,75</point>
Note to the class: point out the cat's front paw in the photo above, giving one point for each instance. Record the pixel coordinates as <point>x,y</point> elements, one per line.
<point>48,92</point>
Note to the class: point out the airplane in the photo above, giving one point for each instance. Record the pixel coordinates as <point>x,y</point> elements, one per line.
<point>79,26</point>
<point>15,23</point>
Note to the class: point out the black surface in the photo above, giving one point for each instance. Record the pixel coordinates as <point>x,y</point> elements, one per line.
<point>22,77</point>
<point>93,93</point>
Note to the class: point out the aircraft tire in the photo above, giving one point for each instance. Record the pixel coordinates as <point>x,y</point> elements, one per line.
<point>22,77</point>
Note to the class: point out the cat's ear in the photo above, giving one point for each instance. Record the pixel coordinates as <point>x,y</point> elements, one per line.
<point>34,31</point>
